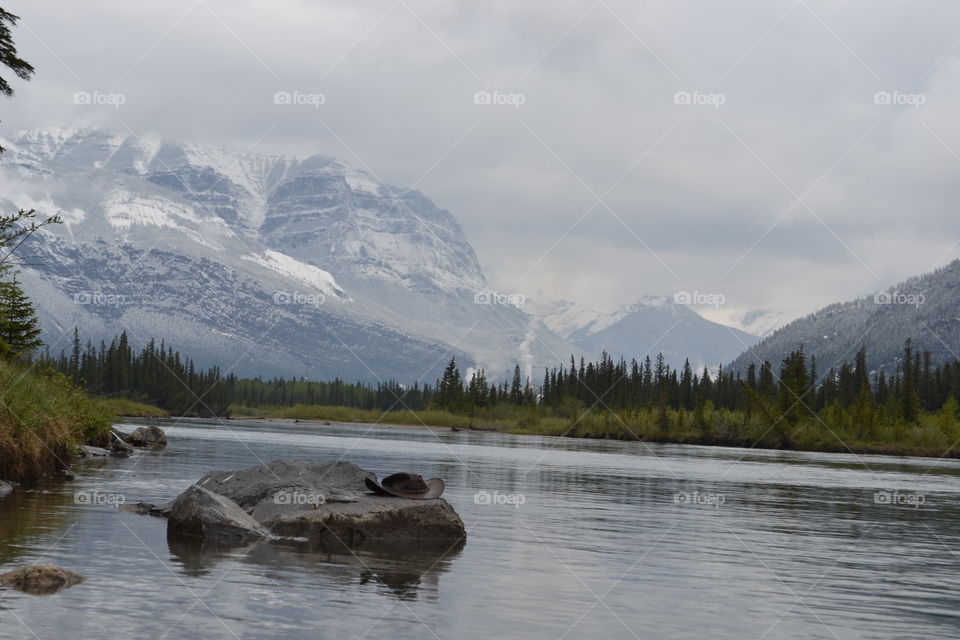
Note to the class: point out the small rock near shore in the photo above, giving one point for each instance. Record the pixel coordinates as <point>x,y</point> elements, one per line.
<point>147,438</point>
<point>40,579</point>
<point>93,452</point>
<point>5,489</point>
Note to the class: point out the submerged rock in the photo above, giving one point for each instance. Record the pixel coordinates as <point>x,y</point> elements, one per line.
<point>324,503</point>
<point>40,579</point>
<point>148,509</point>
<point>147,438</point>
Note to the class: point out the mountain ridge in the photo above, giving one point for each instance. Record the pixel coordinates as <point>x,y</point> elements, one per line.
<point>923,308</point>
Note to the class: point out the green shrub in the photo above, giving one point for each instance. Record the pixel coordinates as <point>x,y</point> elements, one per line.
<point>44,418</point>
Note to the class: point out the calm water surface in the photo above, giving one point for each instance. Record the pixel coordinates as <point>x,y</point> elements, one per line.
<point>566,539</point>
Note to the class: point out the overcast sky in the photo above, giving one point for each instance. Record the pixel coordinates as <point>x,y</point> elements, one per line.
<point>738,148</point>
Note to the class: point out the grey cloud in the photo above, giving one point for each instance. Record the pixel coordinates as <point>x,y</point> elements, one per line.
<point>795,102</point>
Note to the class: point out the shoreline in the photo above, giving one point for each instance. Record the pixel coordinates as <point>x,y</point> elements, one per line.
<point>892,451</point>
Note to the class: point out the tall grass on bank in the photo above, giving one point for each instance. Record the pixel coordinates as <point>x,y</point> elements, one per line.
<point>835,429</point>
<point>499,417</point>
<point>132,409</point>
<point>44,418</point>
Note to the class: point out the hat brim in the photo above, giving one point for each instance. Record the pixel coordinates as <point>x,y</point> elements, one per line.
<point>435,487</point>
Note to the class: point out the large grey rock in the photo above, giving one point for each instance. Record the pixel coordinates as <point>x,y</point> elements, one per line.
<point>147,438</point>
<point>204,514</point>
<point>374,521</point>
<point>40,579</point>
<point>325,503</point>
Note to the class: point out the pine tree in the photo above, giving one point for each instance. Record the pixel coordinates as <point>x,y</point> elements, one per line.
<point>19,326</point>
<point>516,387</point>
<point>909,401</point>
<point>450,394</point>
<point>794,386</point>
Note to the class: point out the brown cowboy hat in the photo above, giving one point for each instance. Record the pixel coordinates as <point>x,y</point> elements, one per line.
<point>407,485</point>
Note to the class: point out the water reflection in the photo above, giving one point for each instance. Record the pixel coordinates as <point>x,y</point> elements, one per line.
<point>391,571</point>
<point>800,548</point>
<point>29,515</point>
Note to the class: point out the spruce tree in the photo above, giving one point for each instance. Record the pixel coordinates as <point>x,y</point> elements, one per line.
<point>19,327</point>
<point>909,400</point>
<point>516,387</point>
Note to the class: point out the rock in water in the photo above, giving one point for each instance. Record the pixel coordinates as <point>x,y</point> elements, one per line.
<point>147,438</point>
<point>40,579</point>
<point>118,445</point>
<point>201,513</point>
<point>5,489</point>
<point>374,521</point>
<point>326,503</point>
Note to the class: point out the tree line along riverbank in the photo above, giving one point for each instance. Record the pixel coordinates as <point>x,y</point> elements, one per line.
<point>792,405</point>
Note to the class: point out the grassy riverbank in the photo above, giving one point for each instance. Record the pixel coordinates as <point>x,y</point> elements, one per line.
<point>347,414</point>
<point>835,431</point>
<point>44,418</point>
<point>130,409</point>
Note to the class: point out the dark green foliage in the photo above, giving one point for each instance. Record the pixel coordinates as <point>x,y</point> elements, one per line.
<point>8,53</point>
<point>19,327</point>
<point>789,410</point>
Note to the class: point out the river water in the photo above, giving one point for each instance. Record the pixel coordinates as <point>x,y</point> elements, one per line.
<point>566,539</point>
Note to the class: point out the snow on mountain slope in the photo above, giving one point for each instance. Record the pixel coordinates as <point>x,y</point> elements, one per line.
<point>225,251</point>
<point>299,272</point>
<point>924,308</point>
<point>759,322</point>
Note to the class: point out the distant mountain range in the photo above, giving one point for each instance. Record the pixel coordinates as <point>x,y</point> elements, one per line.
<point>648,327</point>
<point>925,308</point>
<point>273,265</point>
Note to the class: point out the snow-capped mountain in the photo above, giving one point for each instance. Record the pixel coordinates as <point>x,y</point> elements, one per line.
<point>650,326</point>
<point>269,265</point>
<point>924,308</point>
<point>758,322</point>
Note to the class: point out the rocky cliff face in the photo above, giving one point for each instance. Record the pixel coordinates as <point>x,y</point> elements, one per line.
<point>269,265</point>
